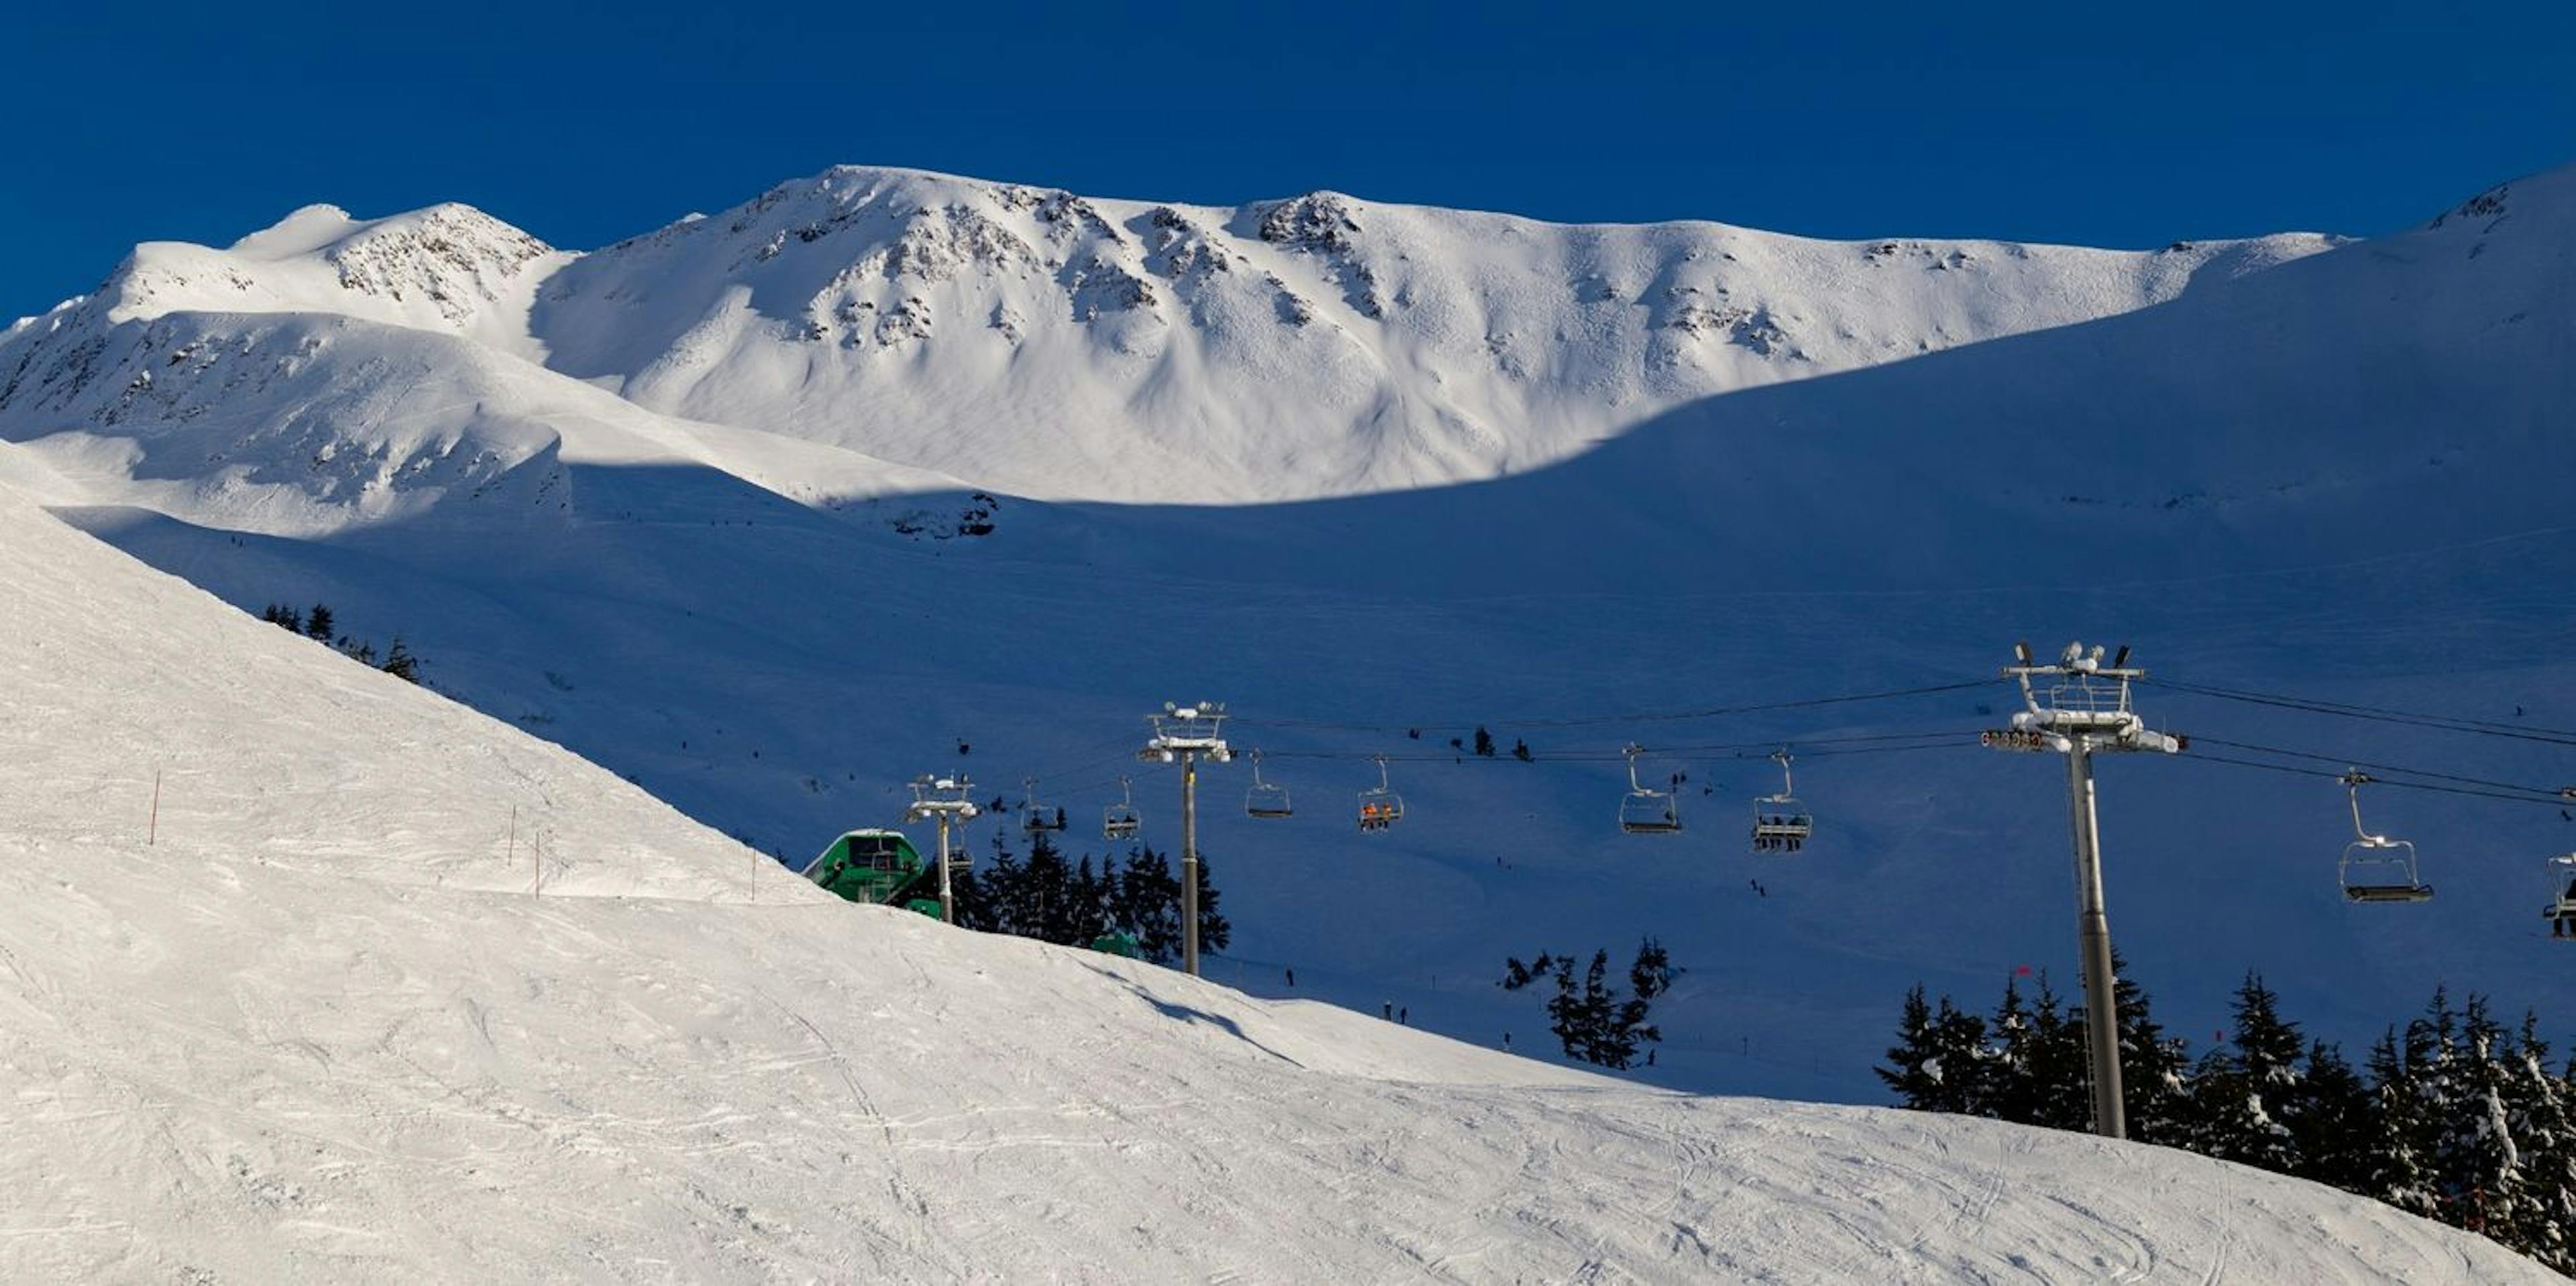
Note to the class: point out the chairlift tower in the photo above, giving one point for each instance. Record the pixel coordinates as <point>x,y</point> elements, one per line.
<point>948,801</point>
<point>2077,708</point>
<point>1186,734</point>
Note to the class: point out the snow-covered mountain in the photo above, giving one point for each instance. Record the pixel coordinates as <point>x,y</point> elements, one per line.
<point>688,508</point>
<point>1056,346</point>
<point>283,1001</point>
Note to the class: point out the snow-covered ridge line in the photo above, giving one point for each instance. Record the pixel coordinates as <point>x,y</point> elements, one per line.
<point>1041,343</point>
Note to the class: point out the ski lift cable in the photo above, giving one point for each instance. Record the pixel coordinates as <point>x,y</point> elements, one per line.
<point>2496,725</point>
<point>2559,793</point>
<point>1750,750</point>
<point>2378,714</point>
<point>2331,775</point>
<point>1664,716</point>
<point>1801,743</point>
<point>1763,751</point>
<point>1126,754</point>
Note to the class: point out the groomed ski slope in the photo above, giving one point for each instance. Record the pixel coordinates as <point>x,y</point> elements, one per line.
<point>321,1031</point>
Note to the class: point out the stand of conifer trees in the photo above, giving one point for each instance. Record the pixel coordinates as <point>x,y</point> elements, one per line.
<point>1072,903</point>
<point>399,661</point>
<point>2455,1117</point>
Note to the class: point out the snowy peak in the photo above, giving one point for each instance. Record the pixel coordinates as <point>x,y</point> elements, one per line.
<point>1066,346</point>
<point>448,268</point>
<point>304,232</point>
<point>454,258</point>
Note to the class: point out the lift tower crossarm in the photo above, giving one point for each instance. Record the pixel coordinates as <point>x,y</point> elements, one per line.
<point>944,800</point>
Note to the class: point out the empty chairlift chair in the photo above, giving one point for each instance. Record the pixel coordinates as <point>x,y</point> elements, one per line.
<point>1265,800</point>
<point>1381,808</point>
<point>1644,811</point>
<point>1119,820</point>
<point>2376,868</point>
<point>1780,823</point>
<point>2561,908</point>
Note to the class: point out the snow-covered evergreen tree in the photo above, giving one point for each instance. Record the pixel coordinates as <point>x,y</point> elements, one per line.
<point>2412,1107</point>
<point>2540,1112</point>
<point>1913,1069</point>
<point>2010,1088</point>
<point>2247,1093</point>
<point>2478,1160</point>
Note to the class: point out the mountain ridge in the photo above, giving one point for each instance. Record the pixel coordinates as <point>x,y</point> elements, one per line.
<point>904,314</point>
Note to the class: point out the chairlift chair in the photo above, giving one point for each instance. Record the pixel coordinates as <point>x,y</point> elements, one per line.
<point>1381,808</point>
<point>2376,868</point>
<point>1265,800</point>
<point>2561,910</point>
<point>1035,814</point>
<point>1119,820</point>
<point>1780,823</point>
<point>1644,811</point>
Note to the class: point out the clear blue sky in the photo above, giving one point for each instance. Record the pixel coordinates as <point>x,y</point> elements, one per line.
<point>2125,125</point>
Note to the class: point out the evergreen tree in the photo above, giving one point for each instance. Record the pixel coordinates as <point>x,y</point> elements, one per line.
<point>1215,931</point>
<point>2476,1158</point>
<point>2006,1087</point>
<point>1651,975</point>
<point>1913,1069</point>
<point>2541,1113</point>
<point>1564,1009</point>
<point>1005,891</point>
<point>400,663</point>
<point>2404,1080</point>
<point>2246,1093</point>
<point>2337,1130</point>
<point>1484,742</point>
<point>1091,894</point>
<point>317,623</point>
<point>1047,895</point>
<point>1938,1063</point>
<point>1548,968</point>
<point>2058,1075</point>
<point>1517,975</point>
<point>1598,1039</point>
<point>1148,905</point>
<point>1521,750</point>
<point>1590,1019</point>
